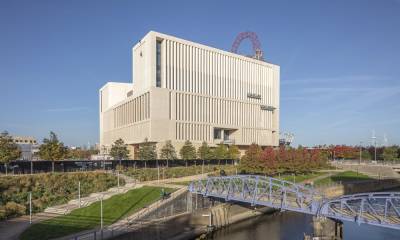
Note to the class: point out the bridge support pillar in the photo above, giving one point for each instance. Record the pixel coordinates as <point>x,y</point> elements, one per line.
<point>327,229</point>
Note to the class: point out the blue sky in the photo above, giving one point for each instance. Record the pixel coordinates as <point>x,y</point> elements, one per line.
<point>340,60</point>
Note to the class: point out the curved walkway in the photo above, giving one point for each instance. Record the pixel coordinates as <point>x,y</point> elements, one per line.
<point>12,228</point>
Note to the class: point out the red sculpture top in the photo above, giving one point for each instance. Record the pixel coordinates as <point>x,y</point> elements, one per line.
<point>254,40</point>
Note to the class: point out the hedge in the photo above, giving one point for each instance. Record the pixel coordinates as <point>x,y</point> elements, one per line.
<point>48,189</point>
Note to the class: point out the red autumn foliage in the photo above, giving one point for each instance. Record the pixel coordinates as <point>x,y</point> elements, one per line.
<point>271,161</point>
<point>345,152</point>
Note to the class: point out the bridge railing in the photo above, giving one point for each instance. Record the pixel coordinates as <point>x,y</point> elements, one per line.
<point>380,209</point>
<point>260,190</point>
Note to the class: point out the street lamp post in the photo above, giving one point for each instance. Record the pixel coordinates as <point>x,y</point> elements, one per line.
<point>158,173</point>
<point>360,151</point>
<point>101,213</point>
<point>374,139</point>
<point>118,178</point>
<point>79,193</point>
<point>30,207</point>
<point>101,217</point>
<point>294,178</point>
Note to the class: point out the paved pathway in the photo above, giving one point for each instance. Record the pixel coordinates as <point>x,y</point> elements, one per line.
<point>11,229</point>
<point>130,223</point>
<point>372,170</point>
<point>130,184</point>
<point>127,224</point>
<point>327,174</point>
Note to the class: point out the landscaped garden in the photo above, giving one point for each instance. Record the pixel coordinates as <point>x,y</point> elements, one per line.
<point>114,208</point>
<point>48,189</point>
<point>149,174</point>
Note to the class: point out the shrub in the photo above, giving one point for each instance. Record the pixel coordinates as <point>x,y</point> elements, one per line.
<point>150,174</point>
<point>13,209</point>
<point>271,161</point>
<point>48,189</point>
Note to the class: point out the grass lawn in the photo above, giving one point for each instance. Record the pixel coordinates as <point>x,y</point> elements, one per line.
<point>300,177</point>
<point>86,218</point>
<point>185,183</point>
<point>344,177</point>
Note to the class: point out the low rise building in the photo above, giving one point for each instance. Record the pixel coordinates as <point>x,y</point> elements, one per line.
<point>28,146</point>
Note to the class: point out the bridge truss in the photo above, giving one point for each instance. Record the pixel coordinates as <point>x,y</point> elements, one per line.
<point>380,209</point>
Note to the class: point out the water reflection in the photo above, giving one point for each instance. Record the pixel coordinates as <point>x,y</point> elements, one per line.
<point>280,226</point>
<point>291,226</point>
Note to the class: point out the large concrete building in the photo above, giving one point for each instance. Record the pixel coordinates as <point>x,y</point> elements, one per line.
<point>183,90</point>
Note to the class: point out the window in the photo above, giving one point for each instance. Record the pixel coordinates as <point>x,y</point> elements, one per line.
<point>130,93</point>
<point>217,133</point>
<point>158,64</point>
<point>226,135</point>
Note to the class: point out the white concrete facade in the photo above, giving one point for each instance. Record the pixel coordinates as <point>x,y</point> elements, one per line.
<point>187,91</point>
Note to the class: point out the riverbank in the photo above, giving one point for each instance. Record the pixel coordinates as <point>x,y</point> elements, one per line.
<point>191,226</point>
<point>291,225</point>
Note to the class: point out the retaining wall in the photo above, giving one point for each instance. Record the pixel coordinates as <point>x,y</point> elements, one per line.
<point>360,187</point>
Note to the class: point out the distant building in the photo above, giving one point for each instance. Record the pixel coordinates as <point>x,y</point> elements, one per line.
<point>188,91</point>
<point>100,157</point>
<point>28,146</point>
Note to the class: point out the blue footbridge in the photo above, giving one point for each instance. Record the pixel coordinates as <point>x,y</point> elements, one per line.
<point>376,208</point>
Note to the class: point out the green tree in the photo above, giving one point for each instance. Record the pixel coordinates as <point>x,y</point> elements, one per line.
<point>52,149</point>
<point>168,151</point>
<point>147,150</point>
<point>233,152</point>
<point>365,155</point>
<point>204,152</point>
<point>390,153</point>
<point>221,152</point>
<point>188,151</point>
<point>81,153</point>
<point>8,149</point>
<point>119,150</point>
<point>251,161</point>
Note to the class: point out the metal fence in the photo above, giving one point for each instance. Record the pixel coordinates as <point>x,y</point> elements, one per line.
<point>30,167</point>
<point>160,211</point>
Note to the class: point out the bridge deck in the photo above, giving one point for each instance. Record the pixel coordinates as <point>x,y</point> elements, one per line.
<point>380,209</point>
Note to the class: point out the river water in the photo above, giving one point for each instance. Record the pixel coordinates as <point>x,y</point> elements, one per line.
<point>292,226</point>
